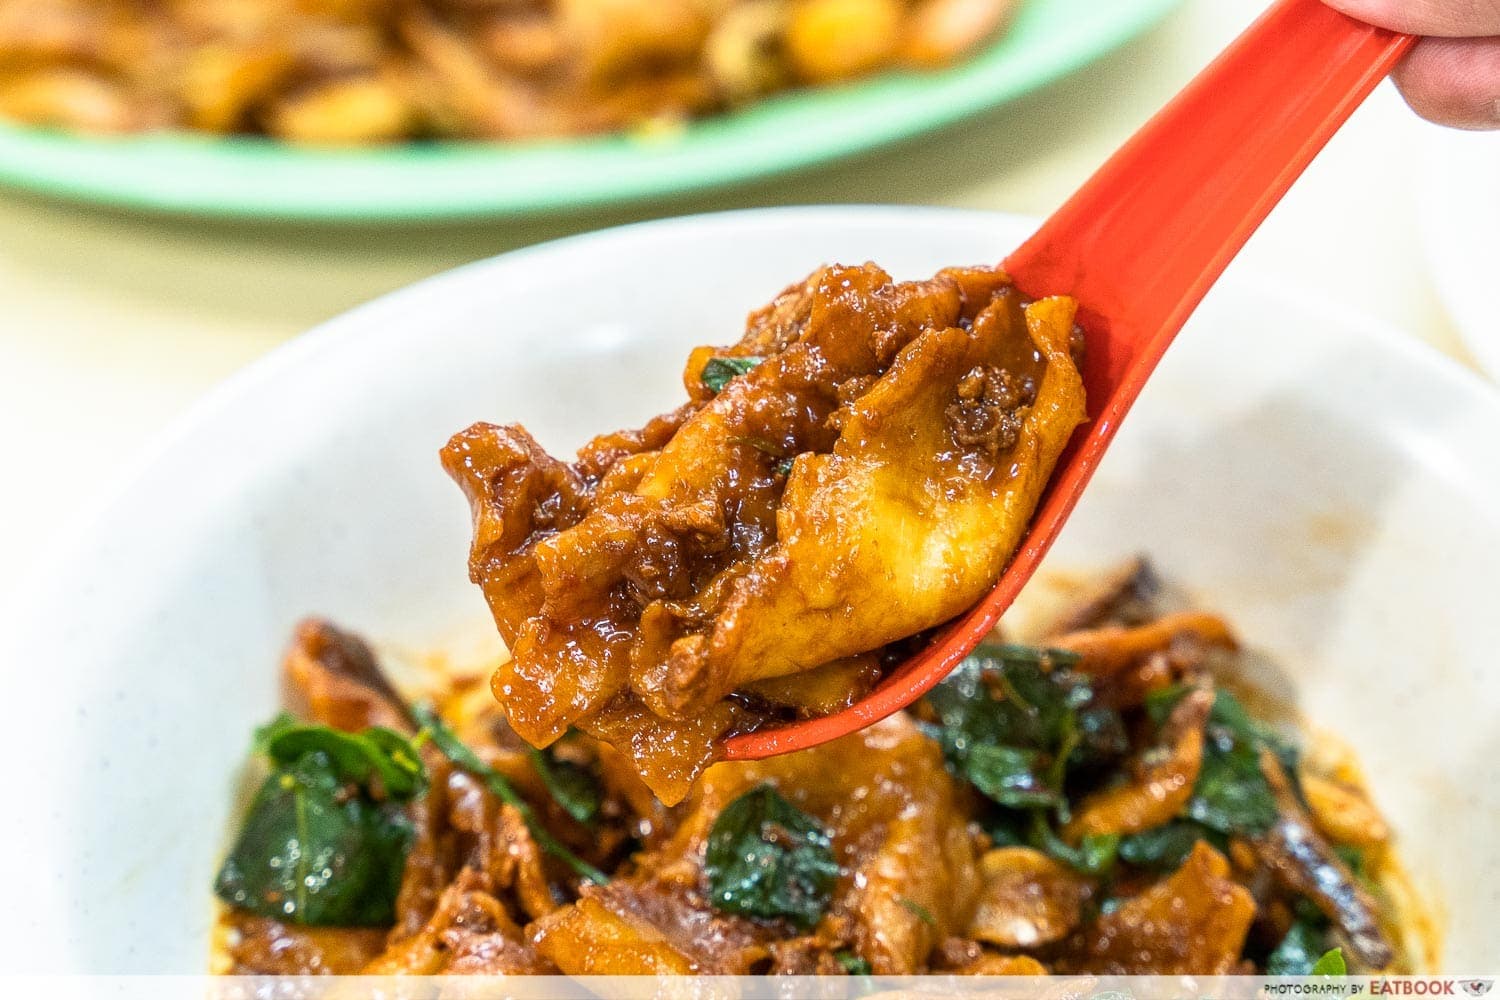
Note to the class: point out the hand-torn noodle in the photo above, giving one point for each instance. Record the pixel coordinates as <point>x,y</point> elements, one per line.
<point>857,469</point>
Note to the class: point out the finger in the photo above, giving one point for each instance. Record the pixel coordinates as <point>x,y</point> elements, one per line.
<point>1448,18</point>
<point>1454,81</point>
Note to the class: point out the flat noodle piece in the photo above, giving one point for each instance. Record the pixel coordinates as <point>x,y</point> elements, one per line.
<point>821,690</point>
<point>469,933</point>
<point>668,754</point>
<point>1193,922</point>
<point>429,863</point>
<point>909,521</point>
<point>990,964</point>
<point>330,676</point>
<point>1027,899</point>
<point>1343,811</point>
<point>899,835</point>
<point>648,928</point>
<point>260,946</point>
<point>863,480</point>
<point>590,939</point>
<point>1161,779</point>
<point>1106,651</point>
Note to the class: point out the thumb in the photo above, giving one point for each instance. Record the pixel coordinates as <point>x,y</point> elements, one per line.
<point>1449,18</point>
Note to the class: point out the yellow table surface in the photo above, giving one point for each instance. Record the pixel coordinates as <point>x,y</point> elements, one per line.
<point>111,324</point>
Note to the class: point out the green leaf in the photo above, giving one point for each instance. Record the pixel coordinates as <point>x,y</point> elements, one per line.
<point>1232,795</point>
<point>1331,964</point>
<point>1094,856</point>
<point>1166,847</point>
<point>1041,705</point>
<point>853,964</point>
<point>1230,714</point>
<point>1228,720</point>
<point>283,722</point>
<point>313,852</point>
<point>719,371</point>
<point>1298,952</point>
<point>355,757</point>
<point>766,858</point>
<point>1011,777</point>
<point>571,786</point>
<point>459,753</point>
<point>1016,654</point>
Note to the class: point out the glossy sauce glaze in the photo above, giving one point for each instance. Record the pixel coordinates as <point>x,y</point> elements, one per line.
<point>857,469</point>
<point>1164,830</point>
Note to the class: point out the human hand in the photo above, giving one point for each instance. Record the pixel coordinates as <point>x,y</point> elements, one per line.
<point>1452,77</point>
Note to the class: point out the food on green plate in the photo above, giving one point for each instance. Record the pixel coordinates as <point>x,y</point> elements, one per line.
<point>374,71</point>
<point>1102,798</point>
<point>858,469</point>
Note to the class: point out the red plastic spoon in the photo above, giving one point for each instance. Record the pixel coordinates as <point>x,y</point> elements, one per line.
<point>1138,247</point>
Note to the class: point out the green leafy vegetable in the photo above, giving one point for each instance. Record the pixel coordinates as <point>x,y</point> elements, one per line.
<point>853,964</point>
<point>317,847</point>
<point>1298,952</point>
<point>1232,795</point>
<point>1012,719</point>
<point>1019,654</point>
<point>357,757</point>
<point>459,753</point>
<point>1229,714</point>
<point>767,858</point>
<point>1229,720</point>
<point>1094,856</point>
<point>1011,777</point>
<point>571,786</point>
<point>719,371</point>
<point>1166,847</point>
<point>1331,964</point>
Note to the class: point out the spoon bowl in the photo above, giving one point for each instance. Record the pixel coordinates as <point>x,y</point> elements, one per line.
<point>1138,246</point>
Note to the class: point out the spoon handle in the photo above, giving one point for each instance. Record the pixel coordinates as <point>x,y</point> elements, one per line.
<point>1138,247</point>
<point>1141,243</point>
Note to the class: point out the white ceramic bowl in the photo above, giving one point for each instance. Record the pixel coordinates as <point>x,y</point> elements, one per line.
<point>1332,487</point>
<point>1460,218</point>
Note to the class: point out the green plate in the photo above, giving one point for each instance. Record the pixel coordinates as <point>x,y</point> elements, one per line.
<point>252,177</point>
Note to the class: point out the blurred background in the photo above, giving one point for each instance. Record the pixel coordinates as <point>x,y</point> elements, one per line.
<point>114,321</point>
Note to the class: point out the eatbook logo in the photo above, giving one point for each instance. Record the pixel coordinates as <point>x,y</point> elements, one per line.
<point>1477,987</point>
